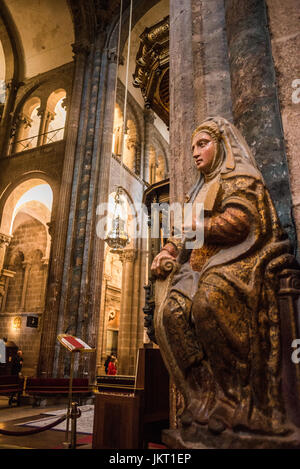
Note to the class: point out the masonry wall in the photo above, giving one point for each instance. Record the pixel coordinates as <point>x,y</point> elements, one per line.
<point>26,291</point>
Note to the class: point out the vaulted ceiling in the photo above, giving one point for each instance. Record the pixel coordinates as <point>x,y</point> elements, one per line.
<point>45,33</point>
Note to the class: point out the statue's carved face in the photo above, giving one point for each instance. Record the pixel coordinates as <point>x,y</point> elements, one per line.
<point>203,148</point>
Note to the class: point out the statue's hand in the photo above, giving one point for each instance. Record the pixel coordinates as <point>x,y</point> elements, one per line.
<point>163,264</point>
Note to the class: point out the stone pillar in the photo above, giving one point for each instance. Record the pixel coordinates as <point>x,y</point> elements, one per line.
<point>254,99</point>
<point>55,279</point>
<point>4,282</point>
<point>90,302</point>
<point>138,157</point>
<point>140,279</point>
<point>50,115</point>
<point>199,81</point>
<point>27,267</point>
<point>126,359</point>
<point>101,343</point>
<point>84,253</point>
<point>5,274</point>
<point>12,87</point>
<point>22,123</point>
<point>285,42</point>
<point>4,243</point>
<point>41,113</point>
<point>148,122</point>
<point>45,264</point>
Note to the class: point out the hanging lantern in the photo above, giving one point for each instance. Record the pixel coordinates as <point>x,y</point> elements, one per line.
<point>117,238</point>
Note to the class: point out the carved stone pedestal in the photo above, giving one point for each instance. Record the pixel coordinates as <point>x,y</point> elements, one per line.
<point>231,440</point>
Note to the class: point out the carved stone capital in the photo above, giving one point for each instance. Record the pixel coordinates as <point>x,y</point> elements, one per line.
<point>81,48</point>
<point>112,55</point>
<point>149,116</point>
<point>51,227</point>
<point>131,143</point>
<point>128,255</point>
<point>40,111</point>
<point>45,261</point>
<point>26,265</point>
<point>65,102</point>
<point>51,115</point>
<point>13,85</point>
<point>25,120</point>
<point>5,240</point>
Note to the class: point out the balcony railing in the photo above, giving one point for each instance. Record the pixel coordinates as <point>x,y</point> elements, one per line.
<point>37,140</point>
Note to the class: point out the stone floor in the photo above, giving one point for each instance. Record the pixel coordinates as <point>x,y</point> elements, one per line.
<point>49,439</point>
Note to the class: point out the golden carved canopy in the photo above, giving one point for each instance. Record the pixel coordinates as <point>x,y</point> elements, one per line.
<point>152,68</point>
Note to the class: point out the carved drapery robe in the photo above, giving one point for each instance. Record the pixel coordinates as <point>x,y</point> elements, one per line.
<point>225,352</point>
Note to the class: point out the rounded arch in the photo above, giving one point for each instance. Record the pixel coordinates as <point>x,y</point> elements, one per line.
<point>55,97</point>
<point>16,257</point>
<point>56,118</point>
<point>12,48</point>
<point>30,105</point>
<point>30,123</point>
<point>134,136</point>
<point>14,191</point>
<point>160,150</point>
<point>140,8</point>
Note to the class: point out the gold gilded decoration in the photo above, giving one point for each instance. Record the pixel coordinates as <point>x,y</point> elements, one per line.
<point>200,256</point>
<point>152,68</point>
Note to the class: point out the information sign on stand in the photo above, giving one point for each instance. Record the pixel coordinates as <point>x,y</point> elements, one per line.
<point>72,344</point>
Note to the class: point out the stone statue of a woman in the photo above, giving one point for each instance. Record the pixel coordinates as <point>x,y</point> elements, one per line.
<point>219,326</point>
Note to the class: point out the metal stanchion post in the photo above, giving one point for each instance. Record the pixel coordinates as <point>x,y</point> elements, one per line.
<point>66,442</point>
<point>75,412</point>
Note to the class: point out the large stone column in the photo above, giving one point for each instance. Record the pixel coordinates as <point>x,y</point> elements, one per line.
<point>93,261</point>
<point>101,350</point>
<point>254,99</point>
<point>285,41</point>
<point>80,209</point>
<point>125,352</point>
<point>79,307</point>
<point>138,302</point>
<point>58,251</point>
<point>199,81</point>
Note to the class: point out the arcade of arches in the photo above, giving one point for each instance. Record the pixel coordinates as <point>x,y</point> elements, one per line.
<point>62,107</point>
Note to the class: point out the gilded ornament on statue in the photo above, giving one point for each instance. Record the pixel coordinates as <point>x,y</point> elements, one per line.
<point>221,320</point>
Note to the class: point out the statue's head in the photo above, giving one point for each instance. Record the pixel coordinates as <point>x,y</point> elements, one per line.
<point>206,147</point>
<point>218,147</point>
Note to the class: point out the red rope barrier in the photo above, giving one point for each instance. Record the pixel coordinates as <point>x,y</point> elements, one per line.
<point>34,430</point>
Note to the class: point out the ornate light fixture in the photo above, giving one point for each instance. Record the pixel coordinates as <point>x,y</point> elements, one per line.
<point>117,238</point>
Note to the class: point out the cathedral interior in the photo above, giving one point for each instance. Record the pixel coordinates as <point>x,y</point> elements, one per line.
<point>99,95</point>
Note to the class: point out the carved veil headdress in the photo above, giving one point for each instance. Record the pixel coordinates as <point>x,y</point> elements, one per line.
<point>234,157</point>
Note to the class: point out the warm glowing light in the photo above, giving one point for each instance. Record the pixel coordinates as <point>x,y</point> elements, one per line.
<point>41,193</point>
<point>16,322</point>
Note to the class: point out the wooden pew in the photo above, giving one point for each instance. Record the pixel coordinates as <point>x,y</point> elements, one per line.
<point>40,388</point>
<point>11,386</point>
